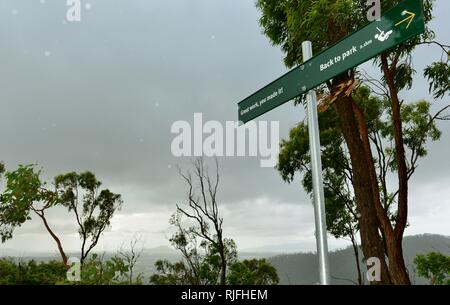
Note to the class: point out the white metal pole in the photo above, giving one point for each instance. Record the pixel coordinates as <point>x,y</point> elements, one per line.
<point>316,167</point>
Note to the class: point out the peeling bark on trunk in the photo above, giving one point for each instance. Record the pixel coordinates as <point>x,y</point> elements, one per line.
<point>355,132</point>
<point>394,243</point>
<point>371,242</point>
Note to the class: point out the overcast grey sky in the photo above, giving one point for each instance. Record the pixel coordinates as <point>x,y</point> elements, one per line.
<point>102,94</point>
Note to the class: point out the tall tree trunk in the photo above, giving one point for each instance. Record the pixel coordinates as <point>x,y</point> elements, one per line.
<point>397,266</point>
<point>394,246</point>
<point>371,242</point>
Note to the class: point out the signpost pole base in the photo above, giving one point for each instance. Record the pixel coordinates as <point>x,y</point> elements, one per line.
<point>316,168</point>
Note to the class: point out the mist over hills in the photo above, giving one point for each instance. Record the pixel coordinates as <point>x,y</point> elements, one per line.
<point>293,268</point>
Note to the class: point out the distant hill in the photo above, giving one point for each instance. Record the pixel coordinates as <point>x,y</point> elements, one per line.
<point>301,268</point>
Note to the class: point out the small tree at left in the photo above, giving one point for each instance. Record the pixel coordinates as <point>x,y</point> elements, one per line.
<point>25,194</point>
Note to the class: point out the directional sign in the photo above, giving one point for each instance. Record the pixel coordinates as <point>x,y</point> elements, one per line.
<point>399,24</point>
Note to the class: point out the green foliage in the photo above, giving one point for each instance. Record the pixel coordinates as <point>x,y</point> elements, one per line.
<point>23,189</point>
<point>201,263</point>
<point>435,267</point>
<point>210,268</point>
<point>31,272</point>
<point>438,74</point>
<point>98,271</point>
<point>98,206</point>
<point>294,157</point>
<point>25,193</point>
<point>288,23</point>
<point>419,127</point>
<point>252,272</point>
<point>246,272</point>
<point>172,274</point>
<point>95,271</point>
<point>403,76</point>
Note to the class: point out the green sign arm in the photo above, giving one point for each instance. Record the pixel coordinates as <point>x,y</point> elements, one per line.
<point>271,96</point>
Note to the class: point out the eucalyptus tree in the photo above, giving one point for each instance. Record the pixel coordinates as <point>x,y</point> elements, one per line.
<point>288,23</point>
<point>81,195</point>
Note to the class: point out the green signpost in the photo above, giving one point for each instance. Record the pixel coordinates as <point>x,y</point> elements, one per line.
<point>399,24</point>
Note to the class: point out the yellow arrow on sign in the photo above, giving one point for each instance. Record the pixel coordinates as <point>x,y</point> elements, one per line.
<point>409,18</point>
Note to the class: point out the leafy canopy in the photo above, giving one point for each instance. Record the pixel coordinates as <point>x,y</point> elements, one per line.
<point>419,127</point>
<point>434,266</point>
<point>23,193</point>
<point>252,272</point>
